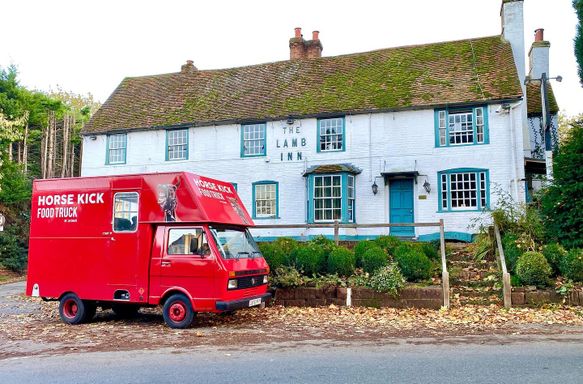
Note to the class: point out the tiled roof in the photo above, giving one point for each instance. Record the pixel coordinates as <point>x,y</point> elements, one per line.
<point>534,102</point>
<point>480,69</point>
<point>333,168</point>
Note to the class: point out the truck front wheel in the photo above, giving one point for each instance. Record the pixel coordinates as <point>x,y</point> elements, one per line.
<point>72,309</point>
<point>178,312</point>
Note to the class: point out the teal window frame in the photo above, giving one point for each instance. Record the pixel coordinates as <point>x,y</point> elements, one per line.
<point>108,149</point>
<point>264,138</point>
<point>348,201</point>
<point>342,119</point>
<point>444,179</point>
<point>253,196</point>
<point>234,186</point>
<point>446,112</point>
<point>168,131</point>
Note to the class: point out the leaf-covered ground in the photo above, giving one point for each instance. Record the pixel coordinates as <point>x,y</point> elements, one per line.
<point>31,327</point>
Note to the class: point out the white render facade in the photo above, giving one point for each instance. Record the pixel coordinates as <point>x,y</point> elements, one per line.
<point>303,151</point>
<point>384,146</point>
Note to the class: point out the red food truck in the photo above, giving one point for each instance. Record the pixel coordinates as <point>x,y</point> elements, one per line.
<point>178,240</point>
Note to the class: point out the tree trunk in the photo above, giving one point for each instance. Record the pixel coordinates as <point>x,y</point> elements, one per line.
<point>25,149</point>
<point>66,122</point>
<point>51,145</point>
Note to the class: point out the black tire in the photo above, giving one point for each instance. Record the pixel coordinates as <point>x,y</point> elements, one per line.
<point>90,309</point>
<point>178,312</point>
<point>125,311</point>
<point>72,309</point>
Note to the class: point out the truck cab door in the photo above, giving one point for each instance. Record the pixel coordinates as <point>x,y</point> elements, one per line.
<point>188,263</point>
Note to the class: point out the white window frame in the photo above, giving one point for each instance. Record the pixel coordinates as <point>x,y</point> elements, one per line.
<point>331,135</point>
<point>253,140</point>
<point>323,209</point>
<point>177,144</point>
<point>116,144</point>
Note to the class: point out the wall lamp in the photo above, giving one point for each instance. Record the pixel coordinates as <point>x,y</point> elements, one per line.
<point>427,186</point>
<point>374,186</point>
<point>93,137</point>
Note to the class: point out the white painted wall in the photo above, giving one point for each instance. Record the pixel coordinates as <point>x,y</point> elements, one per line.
<point>399,141</point>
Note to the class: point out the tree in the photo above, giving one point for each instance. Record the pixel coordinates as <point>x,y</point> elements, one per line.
<point>578,5</point>
<point>561,203</point>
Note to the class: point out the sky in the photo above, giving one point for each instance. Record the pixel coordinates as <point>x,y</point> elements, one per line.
<point>90,46</point>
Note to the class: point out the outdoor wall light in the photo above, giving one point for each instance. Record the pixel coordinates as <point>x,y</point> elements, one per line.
<point>427,186</point>
<point>290,120</point>
<point>93,137</point>
<point>375,188</point>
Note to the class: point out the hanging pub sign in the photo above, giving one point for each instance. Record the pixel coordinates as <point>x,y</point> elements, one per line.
<point>290,142</point>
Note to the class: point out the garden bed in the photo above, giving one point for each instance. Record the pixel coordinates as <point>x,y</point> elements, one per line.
<point>409,297</point>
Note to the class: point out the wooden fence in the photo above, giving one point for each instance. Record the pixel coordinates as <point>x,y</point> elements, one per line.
<point>337,226</point>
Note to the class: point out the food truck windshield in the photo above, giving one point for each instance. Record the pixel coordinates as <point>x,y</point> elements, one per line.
<point>235,243</point>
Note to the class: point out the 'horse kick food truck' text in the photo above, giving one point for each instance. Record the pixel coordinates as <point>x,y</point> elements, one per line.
<point>177,240</point>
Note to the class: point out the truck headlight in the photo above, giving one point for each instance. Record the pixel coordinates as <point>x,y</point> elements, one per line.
<point>264,279</point>
<point>232,284</point>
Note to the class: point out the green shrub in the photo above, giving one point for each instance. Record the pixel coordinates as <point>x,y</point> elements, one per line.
<point>511,250</point>
<point>273,255</point>
<point>388,243</point>
<point>361,247</point>
<point>414,264</point>
<point>13,250</point>
<point>387,279</point>
<point>285,244</point>
<point>533,269</point>
<point>323,242</point>
<point>309,258</point>
<point>430,250</point>
<point>373,259</point>
<point>571,265</point>
<point>554,253</point>
<point>341,261</point>
<point>284,277</point>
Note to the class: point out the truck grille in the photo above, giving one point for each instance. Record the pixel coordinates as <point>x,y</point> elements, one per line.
<point>249,282</point>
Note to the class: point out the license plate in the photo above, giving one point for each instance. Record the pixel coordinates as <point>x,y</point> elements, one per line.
<point>254,302</point>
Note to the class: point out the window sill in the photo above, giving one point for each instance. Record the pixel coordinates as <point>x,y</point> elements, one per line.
<point>267,218</point>
<point>463,210</point>
<point>252,156</point>
<point>461,145</point>
<point>115,163</point>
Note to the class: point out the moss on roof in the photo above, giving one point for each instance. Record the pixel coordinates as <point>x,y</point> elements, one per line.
<point>534,102</point>
<point>473,70</point>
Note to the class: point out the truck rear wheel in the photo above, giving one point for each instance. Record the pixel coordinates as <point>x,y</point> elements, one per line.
<point>178,312</point>
<point>72,309</point>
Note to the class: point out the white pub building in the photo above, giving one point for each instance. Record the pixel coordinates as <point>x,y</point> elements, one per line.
<point>400,135</point>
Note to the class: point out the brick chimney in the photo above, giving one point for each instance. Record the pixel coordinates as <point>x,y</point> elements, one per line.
<point>297,46</point>
<point>538,56</point>
<point>302,49</point>
<point>188,67</point>
<point>314,46</point>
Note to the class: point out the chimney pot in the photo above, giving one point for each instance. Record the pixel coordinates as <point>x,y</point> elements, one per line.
<point>298,32</point>
<point>539,34</point>
<point>315,35</point>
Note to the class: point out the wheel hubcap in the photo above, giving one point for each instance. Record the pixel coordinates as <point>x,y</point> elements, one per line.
<point>177,312</point>
<point>70,309</point>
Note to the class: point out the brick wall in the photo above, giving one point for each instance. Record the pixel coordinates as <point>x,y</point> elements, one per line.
<point>427,297</point>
